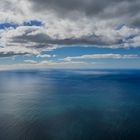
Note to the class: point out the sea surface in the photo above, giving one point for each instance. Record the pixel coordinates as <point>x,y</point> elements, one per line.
<point>70,105</point>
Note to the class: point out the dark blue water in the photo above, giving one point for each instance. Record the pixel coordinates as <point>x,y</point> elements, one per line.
<point>70,105</point>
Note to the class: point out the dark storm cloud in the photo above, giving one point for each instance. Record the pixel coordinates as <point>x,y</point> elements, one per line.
<point>94,8</point>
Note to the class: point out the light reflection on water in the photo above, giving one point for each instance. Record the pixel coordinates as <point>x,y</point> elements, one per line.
<point>69,105</point>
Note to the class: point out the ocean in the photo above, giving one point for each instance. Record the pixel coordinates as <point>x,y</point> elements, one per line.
<point>70,104</point>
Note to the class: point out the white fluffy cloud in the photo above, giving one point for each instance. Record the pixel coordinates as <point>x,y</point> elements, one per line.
<point>14,11</point>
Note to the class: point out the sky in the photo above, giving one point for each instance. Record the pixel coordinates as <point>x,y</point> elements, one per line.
<point>69,34</point>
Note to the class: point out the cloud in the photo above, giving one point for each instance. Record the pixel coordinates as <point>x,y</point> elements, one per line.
<point>12,51</point>
<point>31,64</point>
<point>45,56</point>
<point>61,63</point>
<point>41,38</point>
<point>30,61</point>
<point>89,7</point>
<point>102,56</point>
<point>68,23</point>
<point>96,9</point>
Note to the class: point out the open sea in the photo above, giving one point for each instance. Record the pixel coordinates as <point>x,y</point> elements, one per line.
<point>70,105</point>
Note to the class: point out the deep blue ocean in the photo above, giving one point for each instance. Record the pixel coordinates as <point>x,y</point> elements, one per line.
<point>70,105</point>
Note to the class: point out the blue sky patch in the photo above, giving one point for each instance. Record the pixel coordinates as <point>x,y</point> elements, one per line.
<point>15,25</point>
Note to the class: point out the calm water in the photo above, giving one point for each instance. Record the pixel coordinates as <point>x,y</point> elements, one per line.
<point>70,105</point>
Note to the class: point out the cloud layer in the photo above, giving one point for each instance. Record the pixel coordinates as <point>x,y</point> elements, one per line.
<point>107,9</point>
<point>101,56</point>
<point>53,24</point>
<point>40,38</point>
<point>97,22</point>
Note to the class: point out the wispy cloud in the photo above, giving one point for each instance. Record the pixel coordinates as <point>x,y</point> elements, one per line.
<point>102,56</point>
<point>32,64</point>
<point>30,61</point>
<point>45,56</point>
